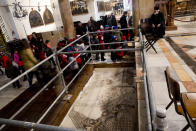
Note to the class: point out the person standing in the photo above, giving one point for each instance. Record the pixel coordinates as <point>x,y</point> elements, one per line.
<point>114,23</point>
<point>158,23</point>
<point>124,24</point>
<point>29,61</point>
<point>81,30</point>
<point>48,50</point>
<point>20,63</point>
<point>36,42</point>
<point>94,40</point>
<point>101,41</point>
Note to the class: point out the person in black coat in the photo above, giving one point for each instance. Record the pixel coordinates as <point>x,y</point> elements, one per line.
<point>124,23</point>
<point>12,72</point>
<point>80,29</point>
<point>114,23</point>
<point>158,22</point>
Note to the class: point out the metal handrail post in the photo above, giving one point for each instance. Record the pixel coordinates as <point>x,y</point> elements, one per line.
<point>59,70</point>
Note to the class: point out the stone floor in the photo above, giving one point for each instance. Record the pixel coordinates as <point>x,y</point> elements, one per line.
<point>183,27</point>
<point>167,56</point>
<point>107,103</point>
<point>10,93</point>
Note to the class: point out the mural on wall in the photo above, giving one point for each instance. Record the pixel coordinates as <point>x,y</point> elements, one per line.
<point>35,19</point>
<point>48,17</point>
<point>79,7</point>
<point>101,6</point>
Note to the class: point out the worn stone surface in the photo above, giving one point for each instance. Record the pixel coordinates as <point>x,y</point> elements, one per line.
<point>108,102</point>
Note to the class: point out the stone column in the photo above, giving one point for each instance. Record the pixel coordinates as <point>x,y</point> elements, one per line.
<point>142,9</point>
<point>171,5</point>
<point>66,16</point>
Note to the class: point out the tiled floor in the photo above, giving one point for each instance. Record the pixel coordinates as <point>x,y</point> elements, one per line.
<point>157,63</point>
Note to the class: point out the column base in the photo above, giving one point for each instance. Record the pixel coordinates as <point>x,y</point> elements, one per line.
<point>169,28</point>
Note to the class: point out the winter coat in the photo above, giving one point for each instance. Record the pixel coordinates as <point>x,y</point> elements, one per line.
<point>121,53</point>
<point>102,46</point>
<point>119,35</point>
<point>16,58</point>
<point>4,60</point>
<point>80,30</point>
<point>28,58</point>
<point>81,47</point>
<point>42,55</point>
<point>12,71</point>
<point>78,60</point>
<point>114,23</point>
<point>63,60</point>
<point>123,22</point>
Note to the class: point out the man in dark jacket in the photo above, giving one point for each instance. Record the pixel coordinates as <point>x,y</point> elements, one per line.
<point>80,30</point>
<point>158,22</point>
<point>124,24</point>
<point>12,72</point>
<point>114,23</point>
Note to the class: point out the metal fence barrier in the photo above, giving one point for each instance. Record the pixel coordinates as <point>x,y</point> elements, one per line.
<point>148,90</point>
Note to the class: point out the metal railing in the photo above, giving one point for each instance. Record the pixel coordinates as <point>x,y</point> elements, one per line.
<point>150,105</point>
<point>87,50</point>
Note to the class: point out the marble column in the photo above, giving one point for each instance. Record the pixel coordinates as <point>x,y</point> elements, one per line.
<point>171,5</point>
<point>66,16</point>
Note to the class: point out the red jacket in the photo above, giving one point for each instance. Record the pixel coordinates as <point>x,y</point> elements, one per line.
<point>102,46</point>
<point>78,60</point>
<point>63,60</point>
<point>121,53</point>
<point>20,63</point>
<point>42,55</point>
<point>4,60</point>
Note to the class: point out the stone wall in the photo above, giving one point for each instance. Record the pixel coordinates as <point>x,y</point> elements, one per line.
<point>54,37</point>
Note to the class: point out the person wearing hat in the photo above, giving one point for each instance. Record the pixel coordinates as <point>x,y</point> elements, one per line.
<point>158,22</point>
